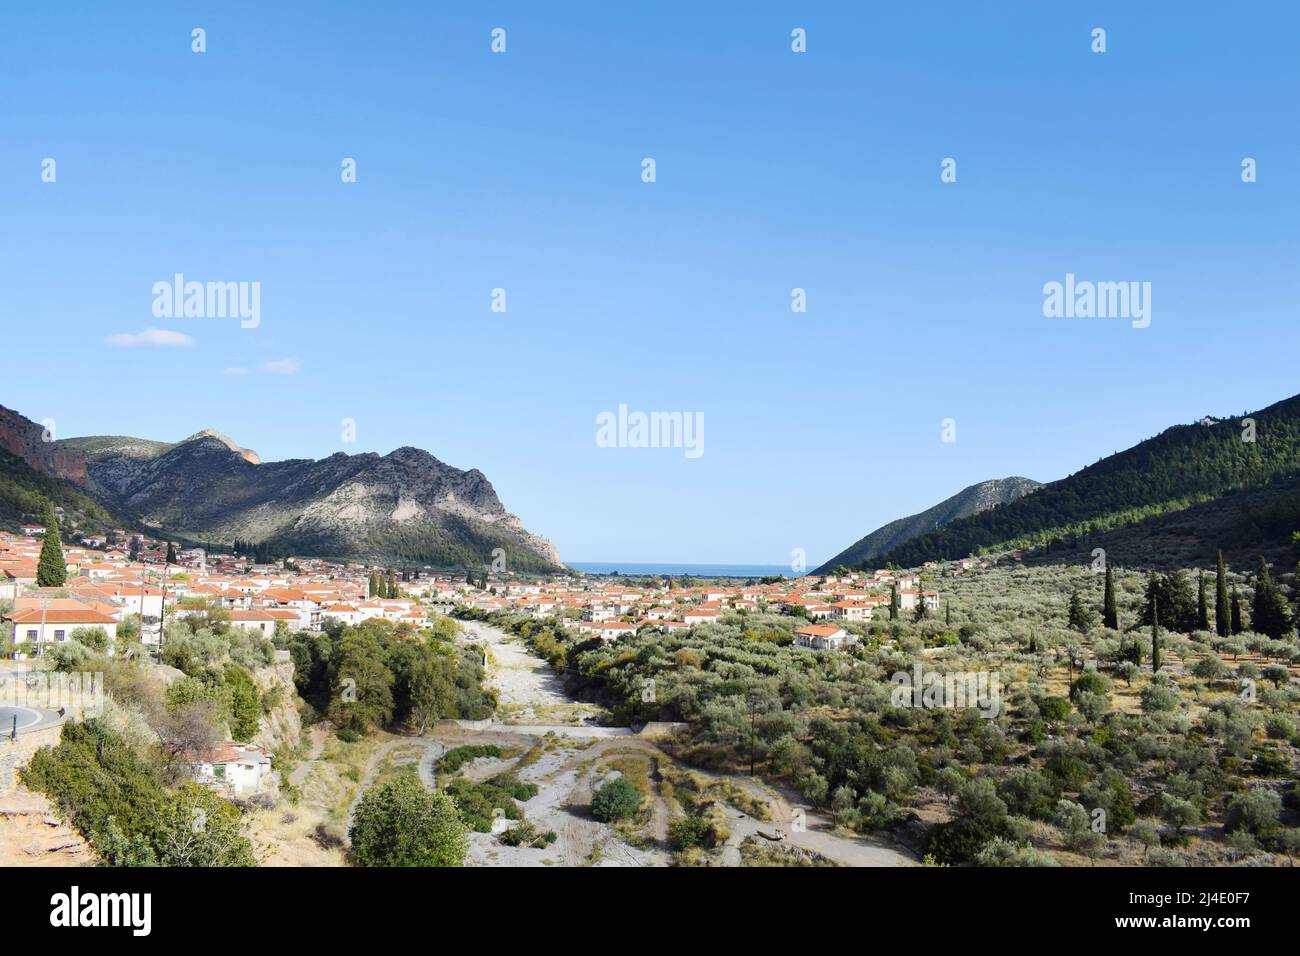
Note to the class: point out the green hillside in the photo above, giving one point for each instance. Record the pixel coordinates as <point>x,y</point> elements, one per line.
<point>23,490</point>
<point>1183,466</point>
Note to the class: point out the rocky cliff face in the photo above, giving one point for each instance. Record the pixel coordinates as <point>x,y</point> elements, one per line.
<point>280,725</point>
<point>972,500</point>
<point>406,507</point>
<point>26,439</point>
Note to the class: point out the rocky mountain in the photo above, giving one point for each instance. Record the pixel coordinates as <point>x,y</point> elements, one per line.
<point>406,507</point>
<point>33,470</point>
<point>972,500</point>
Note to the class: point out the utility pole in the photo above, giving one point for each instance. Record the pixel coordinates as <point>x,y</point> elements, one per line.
<point>162,612</point>
<point>142,597</point>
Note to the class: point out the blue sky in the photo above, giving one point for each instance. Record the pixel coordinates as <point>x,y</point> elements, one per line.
<point>774,171</point>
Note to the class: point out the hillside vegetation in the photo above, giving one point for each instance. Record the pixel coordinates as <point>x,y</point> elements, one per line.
<point>23,492</point>
<point>1180,467</point>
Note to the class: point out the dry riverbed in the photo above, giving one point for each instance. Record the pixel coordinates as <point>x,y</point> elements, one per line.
<point>555,743</point>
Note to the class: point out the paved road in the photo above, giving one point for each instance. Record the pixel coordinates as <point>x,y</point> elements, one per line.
<point>28,718</point>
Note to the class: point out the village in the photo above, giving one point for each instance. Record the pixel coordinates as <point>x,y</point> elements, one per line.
<point>133,574</point>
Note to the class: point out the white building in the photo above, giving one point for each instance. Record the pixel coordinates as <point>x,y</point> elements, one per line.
<point>238,769</point>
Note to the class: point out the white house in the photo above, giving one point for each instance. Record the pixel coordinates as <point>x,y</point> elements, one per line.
<point>262,620</point>
<point>55,625</point>
<point>238,769</point>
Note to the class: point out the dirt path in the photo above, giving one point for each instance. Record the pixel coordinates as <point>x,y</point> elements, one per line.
<point>316,735</point>
<point>432,750</point>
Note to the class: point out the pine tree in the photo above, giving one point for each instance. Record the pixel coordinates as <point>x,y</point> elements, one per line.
<point>1202,609</point>
<point>1221,621</point>
<point>1236,611</point>
<point>1109,615</point>
<point>51,569</point>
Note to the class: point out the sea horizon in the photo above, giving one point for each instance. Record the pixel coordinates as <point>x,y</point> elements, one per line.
<point>682,569</point>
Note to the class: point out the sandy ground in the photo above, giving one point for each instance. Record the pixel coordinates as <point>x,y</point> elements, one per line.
<point>528,690</point>
<point>32,835</point>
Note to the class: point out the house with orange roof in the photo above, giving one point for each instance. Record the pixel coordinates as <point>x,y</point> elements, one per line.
<point>56,625</point>
<point>821,636</point>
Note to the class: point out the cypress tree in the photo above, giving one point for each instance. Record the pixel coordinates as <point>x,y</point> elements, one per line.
<point>51,569</point>
<point>1236,611</point>
<point>893,602</point>
<point>1075,614</point>
<point>171,553</point>
<point>374,584</point>
<point>947,613</point>
<point>1221,621</point>
<point>1109,616</point>
<point>1155,641</point>
<point>1202,609</point>
<point>1268,611</point>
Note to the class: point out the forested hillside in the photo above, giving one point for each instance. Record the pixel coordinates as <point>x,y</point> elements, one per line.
<point>1174,470</point>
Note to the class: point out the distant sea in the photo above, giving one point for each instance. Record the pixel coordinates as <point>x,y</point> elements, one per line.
<point>635,569</point>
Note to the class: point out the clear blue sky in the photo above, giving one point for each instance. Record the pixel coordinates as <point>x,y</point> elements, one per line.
<point>775,170</point>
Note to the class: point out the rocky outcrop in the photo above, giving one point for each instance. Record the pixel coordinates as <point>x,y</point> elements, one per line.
<point>280,725</point>
<point>29,441</point>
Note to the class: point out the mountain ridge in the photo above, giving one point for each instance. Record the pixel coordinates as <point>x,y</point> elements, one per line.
<point>403,507</point>
<point>1180,467</point>
<point>972,499</point>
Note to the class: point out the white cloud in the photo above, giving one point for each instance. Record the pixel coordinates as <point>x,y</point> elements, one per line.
<point>163,338</point>
<point>284,366</point>
<point>235,370</point>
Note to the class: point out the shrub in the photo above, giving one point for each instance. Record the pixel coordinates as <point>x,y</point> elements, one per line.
<point>617,800</point>
<point>399,823</point>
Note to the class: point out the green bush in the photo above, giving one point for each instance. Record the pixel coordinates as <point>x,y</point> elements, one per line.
<point>617,800</point>
<point>399,823</point>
